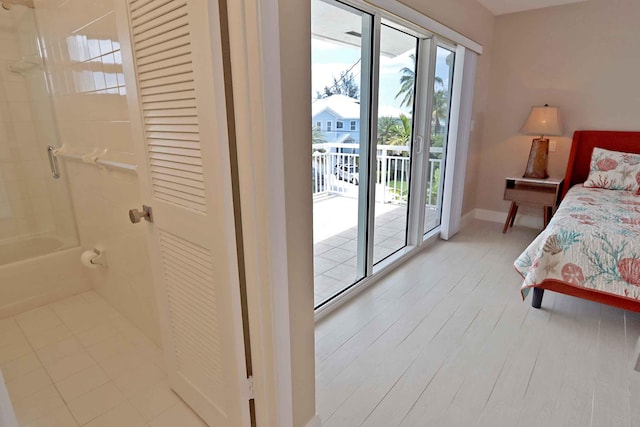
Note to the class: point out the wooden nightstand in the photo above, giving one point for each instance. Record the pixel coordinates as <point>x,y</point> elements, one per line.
<point>541,192</point>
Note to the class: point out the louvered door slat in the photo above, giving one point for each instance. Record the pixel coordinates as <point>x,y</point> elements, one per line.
<point>169,88</point>
<point>161,25</point>
<point>173,61</point>
<point>162,33</point>
<point>169,71</point>
<point>186,251</point>
<point>194,169</point>
<point>169,104</point>
<point>176,159</point>
<point>161,41</point>
<point>177,173</point>
<point>182,181</point>
<point>169,121</point>
<point>171,112</point>
<point>166,80</point>
<point>187,271</point>
<point>171,96</point>
<point>154,9</point>
<point>183,199</point>
<point>186,128</point>
<point>169,49</point>
<point>137,4</point>
<point>193,145</point>
<point>186,189</point>
<point>174,142</point>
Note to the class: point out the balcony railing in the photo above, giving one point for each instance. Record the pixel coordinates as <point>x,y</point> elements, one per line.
<point>335,171</point>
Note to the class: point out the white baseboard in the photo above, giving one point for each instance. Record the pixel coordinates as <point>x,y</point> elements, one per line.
<point>314,422</point>
<point>467,218</point>
<point>529,221</point>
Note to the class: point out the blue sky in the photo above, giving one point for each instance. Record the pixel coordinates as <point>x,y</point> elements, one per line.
<point>329,59</point>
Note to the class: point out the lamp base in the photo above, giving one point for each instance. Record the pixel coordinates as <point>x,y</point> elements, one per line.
<point>538,158</point>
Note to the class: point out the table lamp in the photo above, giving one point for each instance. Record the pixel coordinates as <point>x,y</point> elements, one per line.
<point>541,121</point>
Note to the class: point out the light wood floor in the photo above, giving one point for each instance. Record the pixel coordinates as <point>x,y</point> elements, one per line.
<point>447,341</point>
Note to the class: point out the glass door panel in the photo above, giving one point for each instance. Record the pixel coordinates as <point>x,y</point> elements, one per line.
<point>443,83</point>
<point>341,46</point>
<point>396,88</point>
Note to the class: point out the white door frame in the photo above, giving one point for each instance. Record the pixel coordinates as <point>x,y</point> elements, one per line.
<point>253,37</point>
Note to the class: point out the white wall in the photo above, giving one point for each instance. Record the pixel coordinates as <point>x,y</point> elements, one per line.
<point>295,62</point>
<point>580,57</point>
<point>473,20</point>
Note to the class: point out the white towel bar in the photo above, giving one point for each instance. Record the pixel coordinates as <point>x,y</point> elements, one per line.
<point>92,158</point>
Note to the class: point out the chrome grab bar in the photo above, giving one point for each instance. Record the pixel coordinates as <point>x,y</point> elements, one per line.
<point>53,162</point>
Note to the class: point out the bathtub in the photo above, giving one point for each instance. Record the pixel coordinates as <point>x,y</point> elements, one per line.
<point>36,271</point>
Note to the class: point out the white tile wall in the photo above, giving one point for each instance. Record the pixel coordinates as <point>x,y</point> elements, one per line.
<point>85,70</point>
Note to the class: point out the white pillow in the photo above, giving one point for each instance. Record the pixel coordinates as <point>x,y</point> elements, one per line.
<point>614,170</point>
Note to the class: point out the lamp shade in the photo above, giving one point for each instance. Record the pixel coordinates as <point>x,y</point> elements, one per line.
<point>543,121</point>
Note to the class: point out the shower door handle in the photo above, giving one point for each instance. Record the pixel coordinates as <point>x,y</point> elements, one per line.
<point>53,162</point>
<point>135,215</point>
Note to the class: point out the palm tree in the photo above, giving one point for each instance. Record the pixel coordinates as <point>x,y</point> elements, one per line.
<point>440,110</point>
<point>385,129</point>
<point>407,83</point>
<point>401,132</point>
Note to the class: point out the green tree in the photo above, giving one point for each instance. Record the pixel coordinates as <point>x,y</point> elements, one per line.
<point>440,111</point>
<point>401,133</point>
<point>386,127</point>
<point>346,84</point>
<point>407,83</point>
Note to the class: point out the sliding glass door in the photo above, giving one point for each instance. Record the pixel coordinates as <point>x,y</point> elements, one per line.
<point>374,83</point>
<point>441,108</point>
<point>396,89</point>
<point>341,48</point>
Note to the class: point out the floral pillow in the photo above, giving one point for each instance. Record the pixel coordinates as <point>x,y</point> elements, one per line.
<point>614,170</point>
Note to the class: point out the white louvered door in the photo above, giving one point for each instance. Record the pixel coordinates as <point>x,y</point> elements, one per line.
<point>175,84</point>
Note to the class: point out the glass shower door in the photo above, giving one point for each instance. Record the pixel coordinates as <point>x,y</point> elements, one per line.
<point>36,215</point>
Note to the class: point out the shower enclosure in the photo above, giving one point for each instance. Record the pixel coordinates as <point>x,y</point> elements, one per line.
<point>37,226</point>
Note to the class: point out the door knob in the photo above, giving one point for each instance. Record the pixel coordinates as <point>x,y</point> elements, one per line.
<point>135,215</point>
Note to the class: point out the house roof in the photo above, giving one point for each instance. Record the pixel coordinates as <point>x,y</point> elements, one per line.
<point>345,107</point>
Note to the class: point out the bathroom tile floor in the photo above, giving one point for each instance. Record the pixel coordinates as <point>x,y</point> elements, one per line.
<point>78,362</point>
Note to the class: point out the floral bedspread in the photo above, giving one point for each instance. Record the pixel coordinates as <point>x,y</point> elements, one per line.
<point>592,241</point>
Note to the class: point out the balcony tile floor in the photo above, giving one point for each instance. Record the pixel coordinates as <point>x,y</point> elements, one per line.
<point>335,240</point>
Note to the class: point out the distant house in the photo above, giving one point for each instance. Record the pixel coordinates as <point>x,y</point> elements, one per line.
<point>337,117</point>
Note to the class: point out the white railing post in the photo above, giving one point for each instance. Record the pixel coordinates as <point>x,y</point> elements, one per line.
<point>383,174</point>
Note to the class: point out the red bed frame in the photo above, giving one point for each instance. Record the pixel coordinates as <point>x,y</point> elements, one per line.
<point>577,172</point>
